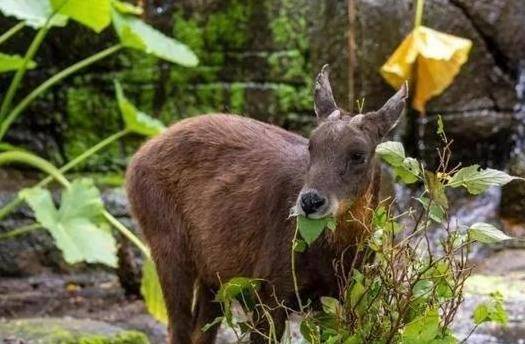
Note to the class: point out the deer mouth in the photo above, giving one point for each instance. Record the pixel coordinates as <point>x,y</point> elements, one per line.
<point>312,205</point>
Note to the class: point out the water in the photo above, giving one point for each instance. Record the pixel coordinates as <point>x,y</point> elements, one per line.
<point>519,115</point>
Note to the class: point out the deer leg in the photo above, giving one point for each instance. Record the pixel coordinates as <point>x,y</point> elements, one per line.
<point>177,279</point>
<point>206,311</point>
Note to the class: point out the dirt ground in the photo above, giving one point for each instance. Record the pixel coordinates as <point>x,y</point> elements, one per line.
<point>98,296</point>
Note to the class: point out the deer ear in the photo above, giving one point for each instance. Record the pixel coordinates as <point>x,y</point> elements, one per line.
<point>385,119</point>
<point>324,103</point>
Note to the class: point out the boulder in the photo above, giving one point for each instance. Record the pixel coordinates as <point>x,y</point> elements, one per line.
<point>66,330</point>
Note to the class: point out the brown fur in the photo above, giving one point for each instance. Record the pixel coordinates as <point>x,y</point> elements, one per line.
<point>212,196</point>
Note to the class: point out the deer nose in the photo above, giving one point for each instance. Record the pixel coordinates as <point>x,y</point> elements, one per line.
<point>311,202</point>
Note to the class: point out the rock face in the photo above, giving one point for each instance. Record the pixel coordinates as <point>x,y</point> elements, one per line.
<point>66,330</point>
<point>477,107</point>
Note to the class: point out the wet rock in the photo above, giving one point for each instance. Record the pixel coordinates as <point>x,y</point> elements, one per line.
<point>62,330</point>
<point>478,104</point>
<point>503,271</point>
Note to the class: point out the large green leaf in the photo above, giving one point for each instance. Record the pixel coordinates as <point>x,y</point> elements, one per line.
<point>126,7</point>
<point>95,14</point>
<point>477,180</point>
<point>75,226</point>
<point>152,293</point>
<point>13,62</point>
<point>487,233</point>
<point>34,12</point>
<point>135,120</point>
<point>136,34</point>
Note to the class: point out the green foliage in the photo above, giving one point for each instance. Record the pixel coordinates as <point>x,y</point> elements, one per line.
<point>127,8</point>
<point>422,330</point>
<point>237,289</point>
<point>76,226</point>
<point>311,229</point>
<point>405,169</point>
<point>34,13</point>
<point>492,310</point>
<point>136,121</point>
<point>13,62</point>
<point>150,290</point>
<point>403,289</point>
<point>136,34</point>
<point>477,180</point>
<point>94,14</point>
<point>486,233</point>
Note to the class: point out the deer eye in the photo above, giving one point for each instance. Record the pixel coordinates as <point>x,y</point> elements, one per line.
<point>357,158</point>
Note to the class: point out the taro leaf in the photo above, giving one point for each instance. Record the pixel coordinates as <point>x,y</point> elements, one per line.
<point>311,229</point>
<point>34,12</point>
<point>477,180</point>
<point>391,152</point>
<point>493,310</point>
<point>486,233</point>
<point>75,226</point>
<point>13,62</point>
<point>136,34</point>
<point>436,189</point>
<point>95,14</point>
<point>152,293</point>
<point>422,330</point>
<point>135,120</point>
<point>127,8</point>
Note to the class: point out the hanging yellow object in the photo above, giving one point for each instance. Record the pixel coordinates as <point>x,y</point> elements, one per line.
<point>434,57</point>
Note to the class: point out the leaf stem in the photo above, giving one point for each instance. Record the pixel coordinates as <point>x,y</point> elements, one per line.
<point>127,233</point>
<point>15,202</point>
<point>294,272</point>
<point>11,32</point>
<point>35,161</point>
<point>31,51</point>
<point>24,103</point>
<point>20,231</point>
<point>419,13</point>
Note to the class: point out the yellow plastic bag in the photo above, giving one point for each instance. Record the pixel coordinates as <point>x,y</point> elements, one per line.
<point>429,59</point>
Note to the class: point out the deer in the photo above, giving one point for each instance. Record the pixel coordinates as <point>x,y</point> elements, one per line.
<point>212,196</point>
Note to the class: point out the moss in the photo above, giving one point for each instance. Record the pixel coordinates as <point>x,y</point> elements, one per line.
<point>289,26</point>
<point>228,28</point>
<point>237,98</point>
<point>69,331</point>
<point>91,116</point>
<point>127,337</point>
